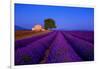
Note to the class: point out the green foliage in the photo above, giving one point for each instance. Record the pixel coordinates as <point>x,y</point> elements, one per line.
<point>49,23</point>
<point>27,58</point>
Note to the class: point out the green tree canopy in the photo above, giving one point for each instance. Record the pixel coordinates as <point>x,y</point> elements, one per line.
<point>49,23</point>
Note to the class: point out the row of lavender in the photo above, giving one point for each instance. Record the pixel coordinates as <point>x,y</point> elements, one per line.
<point>26,41</point>
<point>56,47</point>
<point>34,52</point>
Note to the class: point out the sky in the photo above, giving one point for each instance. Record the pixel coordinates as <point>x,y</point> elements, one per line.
<point>66,18</point>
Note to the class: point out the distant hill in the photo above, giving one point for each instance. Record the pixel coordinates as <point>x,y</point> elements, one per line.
<point>20,28</point>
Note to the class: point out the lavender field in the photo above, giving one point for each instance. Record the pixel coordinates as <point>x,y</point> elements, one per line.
<point>55,47</point>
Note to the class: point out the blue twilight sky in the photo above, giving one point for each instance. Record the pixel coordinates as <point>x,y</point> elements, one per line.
<point>66,18</point>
